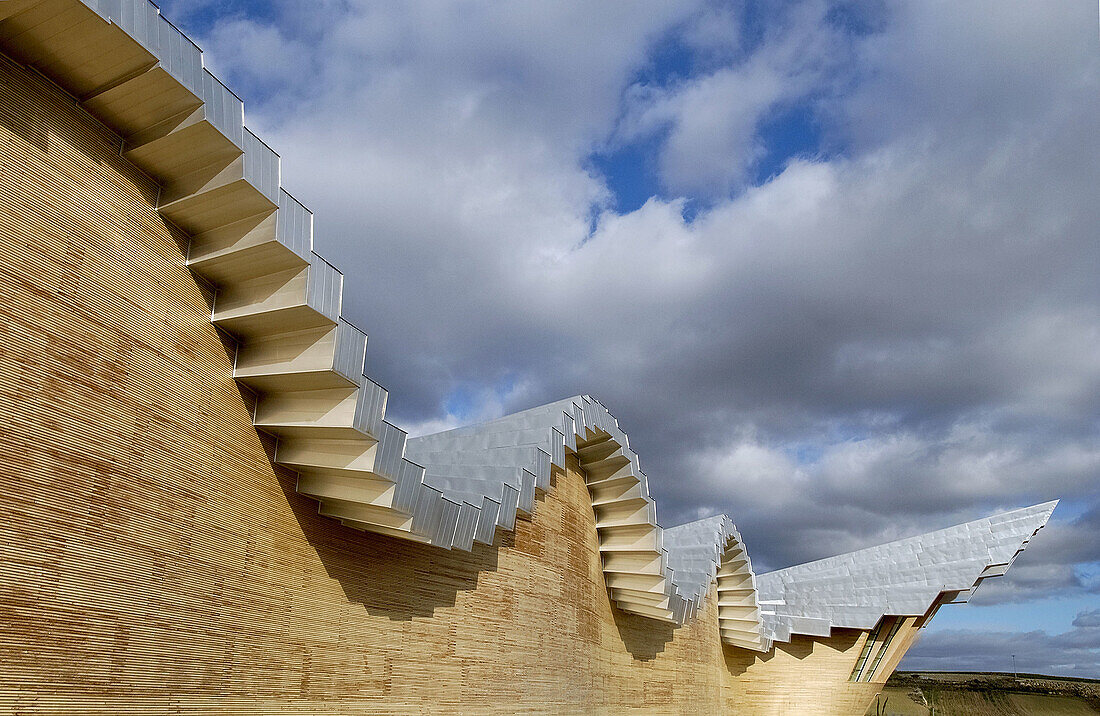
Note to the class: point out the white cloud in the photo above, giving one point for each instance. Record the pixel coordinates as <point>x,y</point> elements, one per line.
<point>752,473</point>
<point>256,55</point>
<point>713,121</point>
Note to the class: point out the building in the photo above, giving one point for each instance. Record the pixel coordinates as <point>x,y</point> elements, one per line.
<point>207,512</point>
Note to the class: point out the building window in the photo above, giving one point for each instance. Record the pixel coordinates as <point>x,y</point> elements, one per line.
<point>885,645</point>
<point>862,660</point>
<point>864,672</point>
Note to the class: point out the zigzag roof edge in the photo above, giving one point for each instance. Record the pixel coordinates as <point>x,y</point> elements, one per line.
<point>910,576</point>
<point>506,459</point>
<point>488,459</point>
<point>188,116</point>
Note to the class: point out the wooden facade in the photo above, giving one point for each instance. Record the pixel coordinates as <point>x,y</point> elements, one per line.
<point>155,560</point>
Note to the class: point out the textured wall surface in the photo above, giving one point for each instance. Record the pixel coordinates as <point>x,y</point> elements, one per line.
<point>805,676</point>
<point>154,560</point>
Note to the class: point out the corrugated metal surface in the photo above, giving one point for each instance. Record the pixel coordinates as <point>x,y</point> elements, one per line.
<point>557,447</point>
<point>137,17</point>
<point>224,109</point>
<point>391,448</point>
<point>409,477</point>
<point>542,469</point>
<point>464,529</point>
<point>294,225</point>
<point>428,512</point>
<point>509,506</point>
<point>448,523</point>
<point>261,166</point>
<point>350,352</point>
<point>324,288</point>
<point>371,408</point>
<point>180,57</point>
<point>487,517</point>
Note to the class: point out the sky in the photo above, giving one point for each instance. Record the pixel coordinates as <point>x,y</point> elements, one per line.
<point>833,265</point>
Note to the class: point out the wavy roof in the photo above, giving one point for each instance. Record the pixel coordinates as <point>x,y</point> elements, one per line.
<point>250,240</point>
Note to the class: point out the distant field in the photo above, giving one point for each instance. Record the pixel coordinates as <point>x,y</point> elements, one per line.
<point>967,694</point>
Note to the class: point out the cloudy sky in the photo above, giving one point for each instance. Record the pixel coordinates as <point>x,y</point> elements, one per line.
<point>834,266</point>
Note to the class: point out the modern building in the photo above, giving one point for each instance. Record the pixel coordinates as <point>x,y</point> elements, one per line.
<point>205,510</point>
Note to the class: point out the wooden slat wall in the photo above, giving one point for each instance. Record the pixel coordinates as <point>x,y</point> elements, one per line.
<point>806,676</point>
<point>152,560</point>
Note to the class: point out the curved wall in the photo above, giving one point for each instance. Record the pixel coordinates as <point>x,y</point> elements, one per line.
<point>155,560</point>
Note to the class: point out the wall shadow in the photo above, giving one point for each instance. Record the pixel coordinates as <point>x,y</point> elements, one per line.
<point>739,660</point>
<point>390,577</point>
<point>644,638</point>
<point>841,639</point>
